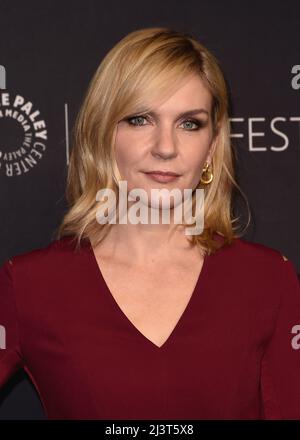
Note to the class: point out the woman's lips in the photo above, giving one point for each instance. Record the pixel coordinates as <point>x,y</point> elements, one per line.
<point>162,178</point>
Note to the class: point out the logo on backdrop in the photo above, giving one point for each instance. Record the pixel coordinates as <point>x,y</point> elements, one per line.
<point>23,132</point>
<point>257,131</point>
<point>272,134</point>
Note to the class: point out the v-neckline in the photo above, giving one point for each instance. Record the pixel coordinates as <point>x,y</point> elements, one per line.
<point>115,306</point>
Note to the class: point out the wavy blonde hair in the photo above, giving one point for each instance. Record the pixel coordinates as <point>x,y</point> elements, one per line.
<point>145,64</point>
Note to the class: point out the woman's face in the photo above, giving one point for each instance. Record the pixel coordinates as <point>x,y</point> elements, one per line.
<point>166,141</point>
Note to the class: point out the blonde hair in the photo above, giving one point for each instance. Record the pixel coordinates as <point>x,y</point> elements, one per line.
<point>137,69</point>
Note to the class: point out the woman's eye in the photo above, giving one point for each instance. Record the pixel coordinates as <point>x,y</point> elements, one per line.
<point>190,123</point>
<point>137,118</point>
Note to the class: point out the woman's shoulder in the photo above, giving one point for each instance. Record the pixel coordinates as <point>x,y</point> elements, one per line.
<point>258,252</point>
<point>250,257</point>
<point>259,259</point>
<point>255,270</point>
<point>51,254</point>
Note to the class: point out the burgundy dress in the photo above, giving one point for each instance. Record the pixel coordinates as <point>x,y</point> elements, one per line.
<point>234,353</point>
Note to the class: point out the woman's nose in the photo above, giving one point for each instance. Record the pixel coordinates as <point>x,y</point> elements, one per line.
<point>164,143</point>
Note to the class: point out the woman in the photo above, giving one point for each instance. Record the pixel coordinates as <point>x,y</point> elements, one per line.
<point>139,320</point>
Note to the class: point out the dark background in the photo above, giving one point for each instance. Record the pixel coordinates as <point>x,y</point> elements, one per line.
<point>50,51</point>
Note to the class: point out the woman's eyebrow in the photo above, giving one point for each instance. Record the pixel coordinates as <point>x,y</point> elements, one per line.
<point>180,115</point>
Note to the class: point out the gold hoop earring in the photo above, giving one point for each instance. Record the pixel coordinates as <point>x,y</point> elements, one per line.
<point>207,172</point>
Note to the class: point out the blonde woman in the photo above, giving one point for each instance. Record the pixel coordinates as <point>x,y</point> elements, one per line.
<point>139,320</point>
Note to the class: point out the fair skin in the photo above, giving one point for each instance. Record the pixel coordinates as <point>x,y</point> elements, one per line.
<point>158,257</point>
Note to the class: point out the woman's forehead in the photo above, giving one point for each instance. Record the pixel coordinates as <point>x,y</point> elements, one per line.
<point>187,96</point>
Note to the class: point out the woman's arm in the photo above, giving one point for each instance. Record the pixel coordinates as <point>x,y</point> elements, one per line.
<point>280,369</point>
<point>10,353</point>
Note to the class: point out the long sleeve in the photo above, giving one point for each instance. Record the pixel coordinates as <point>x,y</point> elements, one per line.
<point>280,369</point>
<point>10,354</point>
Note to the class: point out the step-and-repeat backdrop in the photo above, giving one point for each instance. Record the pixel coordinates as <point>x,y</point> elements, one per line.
<point>48,54</point>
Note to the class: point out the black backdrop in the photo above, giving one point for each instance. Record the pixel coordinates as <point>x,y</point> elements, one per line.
<point>49,51</point>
